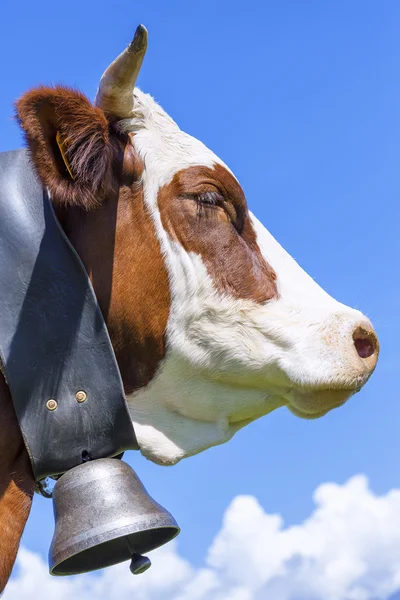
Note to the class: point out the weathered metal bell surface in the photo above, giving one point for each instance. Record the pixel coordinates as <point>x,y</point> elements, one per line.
<point>103,516</point>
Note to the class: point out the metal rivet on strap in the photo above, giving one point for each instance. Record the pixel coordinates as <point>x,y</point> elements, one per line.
<point>80,396</point>
<point>51,404</point>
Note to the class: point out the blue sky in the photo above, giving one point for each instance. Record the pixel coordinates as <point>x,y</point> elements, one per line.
<point>302,101</point>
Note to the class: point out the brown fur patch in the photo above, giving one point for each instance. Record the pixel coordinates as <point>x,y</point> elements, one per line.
<point>220,230</point>
<point>119,248</point>
<point>84,131</point>
<point>16,485</point>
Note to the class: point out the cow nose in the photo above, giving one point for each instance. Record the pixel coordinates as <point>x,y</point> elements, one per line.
<point>366,343</point>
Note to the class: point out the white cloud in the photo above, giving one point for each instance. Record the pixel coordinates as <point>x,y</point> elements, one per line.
<point>348,549</point>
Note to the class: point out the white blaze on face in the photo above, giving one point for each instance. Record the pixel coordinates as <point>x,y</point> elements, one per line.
<point>231,360</point>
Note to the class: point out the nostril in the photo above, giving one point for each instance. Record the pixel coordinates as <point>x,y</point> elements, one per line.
<point>365,342</point>
<point>364,347</point>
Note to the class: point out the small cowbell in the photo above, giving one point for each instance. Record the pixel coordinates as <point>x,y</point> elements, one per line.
<point>103,516</point>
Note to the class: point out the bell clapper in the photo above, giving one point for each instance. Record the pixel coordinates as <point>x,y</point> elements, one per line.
<point>139,564</point>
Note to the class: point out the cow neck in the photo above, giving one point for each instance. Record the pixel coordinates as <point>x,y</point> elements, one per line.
<point>118,246</point>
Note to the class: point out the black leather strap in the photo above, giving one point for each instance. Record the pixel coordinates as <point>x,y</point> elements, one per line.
<point>53,338</point>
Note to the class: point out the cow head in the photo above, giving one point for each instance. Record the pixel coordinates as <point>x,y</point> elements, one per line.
<point>212,322</point>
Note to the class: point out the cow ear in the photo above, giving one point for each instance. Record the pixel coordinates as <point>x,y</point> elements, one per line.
<point>69,142</point>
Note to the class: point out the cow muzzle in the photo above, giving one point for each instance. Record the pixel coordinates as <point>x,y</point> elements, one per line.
<point>342,366</point>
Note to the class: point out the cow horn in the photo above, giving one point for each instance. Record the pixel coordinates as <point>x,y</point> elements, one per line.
<point>115,93</point>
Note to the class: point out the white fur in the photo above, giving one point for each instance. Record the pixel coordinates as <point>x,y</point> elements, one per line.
<point>231,361</point>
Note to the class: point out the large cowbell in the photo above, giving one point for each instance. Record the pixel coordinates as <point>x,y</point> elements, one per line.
<point>104,516</point>
<point>66,387</point>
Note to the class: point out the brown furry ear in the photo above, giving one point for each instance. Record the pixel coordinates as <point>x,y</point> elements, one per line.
<point>69,142</point>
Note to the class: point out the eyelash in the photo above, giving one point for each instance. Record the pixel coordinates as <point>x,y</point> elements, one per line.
<point>207,202</point>
<point>209,198</point>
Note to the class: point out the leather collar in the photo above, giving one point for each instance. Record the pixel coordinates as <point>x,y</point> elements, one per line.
<point>56,352</point>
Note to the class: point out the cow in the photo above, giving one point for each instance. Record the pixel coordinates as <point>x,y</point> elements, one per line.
<point>213,324</point>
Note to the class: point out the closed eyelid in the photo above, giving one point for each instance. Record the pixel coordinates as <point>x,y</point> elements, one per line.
<point>213,198</point>
<point>209,194</point>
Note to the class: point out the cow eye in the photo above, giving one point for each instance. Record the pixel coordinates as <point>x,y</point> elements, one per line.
<point>209,198</point>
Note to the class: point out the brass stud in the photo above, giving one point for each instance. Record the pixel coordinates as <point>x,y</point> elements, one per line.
<point>80,396</point>
<point>51,404</point>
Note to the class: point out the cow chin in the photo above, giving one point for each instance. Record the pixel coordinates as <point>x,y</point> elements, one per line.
<point>169,431</point>
<point>313,404</point>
